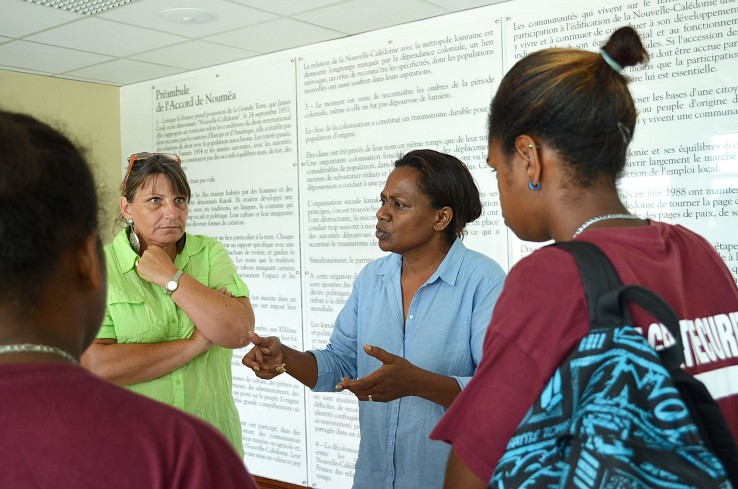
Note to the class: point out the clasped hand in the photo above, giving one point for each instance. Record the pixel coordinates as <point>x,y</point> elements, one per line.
<point>265,358</point>
<point>155,266</point>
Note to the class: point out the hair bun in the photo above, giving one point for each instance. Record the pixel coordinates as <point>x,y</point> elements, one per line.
<point>624,48</point>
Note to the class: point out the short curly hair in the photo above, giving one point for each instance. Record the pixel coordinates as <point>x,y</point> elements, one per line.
<point>48,202</point>
<point>448,183</point>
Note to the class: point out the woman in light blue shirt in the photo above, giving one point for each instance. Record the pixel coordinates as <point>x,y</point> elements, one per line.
<point>410,334</point>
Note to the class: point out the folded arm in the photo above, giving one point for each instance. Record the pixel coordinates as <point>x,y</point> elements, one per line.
<point>131,363</point>
<point>224,320</point>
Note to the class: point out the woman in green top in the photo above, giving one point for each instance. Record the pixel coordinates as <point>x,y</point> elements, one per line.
<point>176,305</point>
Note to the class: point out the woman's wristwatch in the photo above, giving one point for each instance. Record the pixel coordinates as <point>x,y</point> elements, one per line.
<point>173,283</point>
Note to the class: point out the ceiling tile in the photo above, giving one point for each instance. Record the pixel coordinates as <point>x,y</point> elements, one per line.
<point>192,55</point>
<point>288,7</point>
<point>364,15</point>
<point>458,5</point>
<point>124,72</point>
<point>49,59</point>
<point>230,16</point>
<point>276,35</point>
<point>106,37</point>
<point>51,41</point>
<point>19,18</point>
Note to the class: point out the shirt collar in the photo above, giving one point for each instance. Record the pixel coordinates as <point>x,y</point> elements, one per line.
<point>447,271</point>
<point>123,252</point>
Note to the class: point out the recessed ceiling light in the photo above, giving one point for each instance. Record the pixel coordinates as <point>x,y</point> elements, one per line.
<point>188,15</point>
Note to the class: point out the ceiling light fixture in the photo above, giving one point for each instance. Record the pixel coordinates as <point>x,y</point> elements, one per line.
<point>84,7</point>
<point>188,15</point>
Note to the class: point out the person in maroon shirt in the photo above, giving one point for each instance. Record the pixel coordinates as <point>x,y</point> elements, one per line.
<point>559,128</point>
<point>62,426</point>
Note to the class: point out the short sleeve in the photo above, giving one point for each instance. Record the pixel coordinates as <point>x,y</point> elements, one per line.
<point>107,329</point>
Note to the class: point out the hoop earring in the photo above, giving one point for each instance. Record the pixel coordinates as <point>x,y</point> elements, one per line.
<point>535,187</point>
<point>133,237</point>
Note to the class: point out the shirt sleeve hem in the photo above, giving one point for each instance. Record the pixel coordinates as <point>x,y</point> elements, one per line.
<point>474,463</point>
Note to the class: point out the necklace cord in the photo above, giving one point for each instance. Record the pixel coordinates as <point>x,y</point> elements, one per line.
<point>604,217</point>
<point>33,348</point>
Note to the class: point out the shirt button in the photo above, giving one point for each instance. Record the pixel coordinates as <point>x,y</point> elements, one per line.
<point>410,316</point>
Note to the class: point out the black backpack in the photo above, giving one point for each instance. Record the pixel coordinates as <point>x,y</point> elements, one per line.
<point>616,413</point>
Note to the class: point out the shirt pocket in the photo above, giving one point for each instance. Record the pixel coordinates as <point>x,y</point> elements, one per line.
<point>137,320</point>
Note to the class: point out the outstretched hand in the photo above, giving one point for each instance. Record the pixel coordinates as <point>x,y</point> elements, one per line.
<point>396,378</point>
<point>265,358</point>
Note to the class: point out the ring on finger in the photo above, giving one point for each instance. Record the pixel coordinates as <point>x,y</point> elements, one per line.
<point>370,398</point>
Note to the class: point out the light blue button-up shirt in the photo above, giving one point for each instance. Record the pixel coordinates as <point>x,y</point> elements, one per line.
<point>446,324</point>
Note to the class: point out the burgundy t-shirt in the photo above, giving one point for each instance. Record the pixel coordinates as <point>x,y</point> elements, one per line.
<point>65,428</point>
<point>542,314</point>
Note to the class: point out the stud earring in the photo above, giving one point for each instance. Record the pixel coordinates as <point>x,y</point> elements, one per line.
<point>534,187</point>
<point>133,237</point>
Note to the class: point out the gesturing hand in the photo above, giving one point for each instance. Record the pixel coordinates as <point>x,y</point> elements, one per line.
<point>394,379</point>
<point>265,358</point>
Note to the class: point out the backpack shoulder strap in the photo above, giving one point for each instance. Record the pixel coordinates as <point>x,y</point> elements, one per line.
<point>608,299</point>
<point>672,356</point>
<point>598,275</point>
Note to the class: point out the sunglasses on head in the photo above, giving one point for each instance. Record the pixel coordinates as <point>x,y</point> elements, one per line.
<point>136,157</point>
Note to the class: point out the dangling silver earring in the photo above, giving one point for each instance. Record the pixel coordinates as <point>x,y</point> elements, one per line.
<point>133,237</point>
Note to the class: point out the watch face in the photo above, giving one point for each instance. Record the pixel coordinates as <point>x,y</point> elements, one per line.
<point>173,283</point>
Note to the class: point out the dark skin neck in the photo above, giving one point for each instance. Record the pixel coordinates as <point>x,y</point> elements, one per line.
<point>33,329</point>
<point>418,267</point>
<point>67,312</point>
<point>560,205</point>
<point>584,204</point>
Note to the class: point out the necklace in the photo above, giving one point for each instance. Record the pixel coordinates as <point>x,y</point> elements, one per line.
<point>30,347</point>
<point>605,217</point>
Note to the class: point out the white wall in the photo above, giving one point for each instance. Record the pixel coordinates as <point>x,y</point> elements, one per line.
<point>287,154</point>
